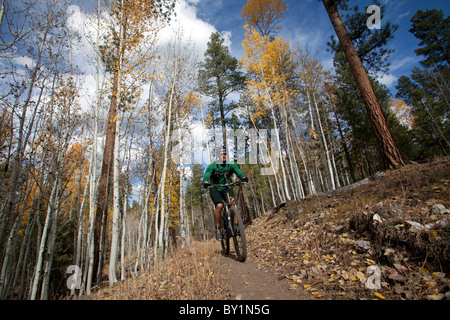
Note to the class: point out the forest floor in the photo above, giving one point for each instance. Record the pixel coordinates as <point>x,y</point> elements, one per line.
<point>387,237</point>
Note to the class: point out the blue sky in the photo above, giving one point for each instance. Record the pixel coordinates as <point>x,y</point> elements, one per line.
<point>306,23</point>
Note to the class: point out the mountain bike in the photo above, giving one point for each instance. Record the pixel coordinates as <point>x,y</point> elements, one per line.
<point>232,226</point>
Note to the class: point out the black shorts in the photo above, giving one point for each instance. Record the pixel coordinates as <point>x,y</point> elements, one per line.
<point>218,195</point>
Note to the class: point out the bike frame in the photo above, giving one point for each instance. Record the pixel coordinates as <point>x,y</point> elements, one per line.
<point>225,210</point>
<point>229,227</point>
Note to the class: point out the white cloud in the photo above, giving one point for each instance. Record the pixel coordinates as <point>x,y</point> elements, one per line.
<point>226,35</point>
<point>195,29</point>
<point>400,63</point>
<point>24,61</point>
<point>387,79</point>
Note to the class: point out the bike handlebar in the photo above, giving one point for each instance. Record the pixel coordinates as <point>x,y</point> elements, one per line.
<point>226,185</point>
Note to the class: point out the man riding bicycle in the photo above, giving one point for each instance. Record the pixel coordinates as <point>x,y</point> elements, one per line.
<point>221,174</point>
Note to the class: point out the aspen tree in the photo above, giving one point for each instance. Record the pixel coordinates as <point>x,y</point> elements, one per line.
<point>129,17</point>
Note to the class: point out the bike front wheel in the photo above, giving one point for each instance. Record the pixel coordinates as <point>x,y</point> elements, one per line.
<point>240,243</point>
<point>225,241</point>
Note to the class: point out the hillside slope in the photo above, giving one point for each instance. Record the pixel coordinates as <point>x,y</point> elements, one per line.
<point>397,222</point>
<point>387,237</point>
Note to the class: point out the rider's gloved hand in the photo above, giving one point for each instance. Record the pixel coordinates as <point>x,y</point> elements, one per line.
<point>244,179</point>
<point>206,185</point>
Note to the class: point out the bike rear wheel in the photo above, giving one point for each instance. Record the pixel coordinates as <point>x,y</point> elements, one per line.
<point>239,241</point>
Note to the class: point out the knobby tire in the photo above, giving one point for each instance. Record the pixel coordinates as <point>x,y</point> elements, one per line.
<point>225,241</point>
<point>240,243</point>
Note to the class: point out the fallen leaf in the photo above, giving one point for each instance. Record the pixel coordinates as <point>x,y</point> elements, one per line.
<point>396,276</point>
<point>345,275</point>
<point>379,295</point>
<point>361,276</point>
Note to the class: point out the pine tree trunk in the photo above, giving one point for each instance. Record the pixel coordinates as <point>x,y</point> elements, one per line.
<point>108,153</point>
<point>391,155</point>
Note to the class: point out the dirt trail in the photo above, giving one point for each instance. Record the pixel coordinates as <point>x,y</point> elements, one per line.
<point>249,282</point>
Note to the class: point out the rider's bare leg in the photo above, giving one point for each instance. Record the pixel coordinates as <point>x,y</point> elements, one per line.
<point>232,206</point>
<point>217,214</point>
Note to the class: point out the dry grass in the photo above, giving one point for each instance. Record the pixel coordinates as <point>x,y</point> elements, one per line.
<point>192,273</point>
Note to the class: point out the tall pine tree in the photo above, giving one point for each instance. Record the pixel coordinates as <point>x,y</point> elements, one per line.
<point>219,76</point>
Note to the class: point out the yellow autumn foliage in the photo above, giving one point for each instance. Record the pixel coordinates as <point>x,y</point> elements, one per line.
<point>269,63</point>
<point>264,14</point>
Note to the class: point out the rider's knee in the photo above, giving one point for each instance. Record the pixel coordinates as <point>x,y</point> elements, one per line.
<point>219,206</point>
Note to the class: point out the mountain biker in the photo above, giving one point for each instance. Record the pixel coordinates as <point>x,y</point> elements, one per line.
<point>221,174</point>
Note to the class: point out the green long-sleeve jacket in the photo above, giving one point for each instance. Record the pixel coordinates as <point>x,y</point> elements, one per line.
<point>225,172</point>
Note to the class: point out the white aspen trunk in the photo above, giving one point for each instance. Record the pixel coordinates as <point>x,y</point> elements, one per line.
<point>192,221</point>
<point>296,169</point>
<point>147,190</point>
<point>297,187</point>
<point>116,168</point>
<point>24,244</point>
<point>93,174</point>
<point>157,214</point>
<point>21,140</point>
<point>325,145</point>
<point>322,184</point>
<point>139,250</point>
<point>6,269</point>
<point>51,248</point>
<point>310,111</point>
<point>286,195</point>
<point>207,144</point>
<point>166,150</point>
<point>124,219</point>
<point>183,218</point>
<point>310,182</point>
<point>43,241</point>
<point>144,224</point>
<point>271,164</point>
<point>80,229</point>
<point>333,161</point>
<point>149,238</point>
<point>122,240</point>
<point>90,237</point>
<point>274,202</point>
<point>4,277</point>
<point>28,245</point>
<point>169,212</point>
<point>116,208</point>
